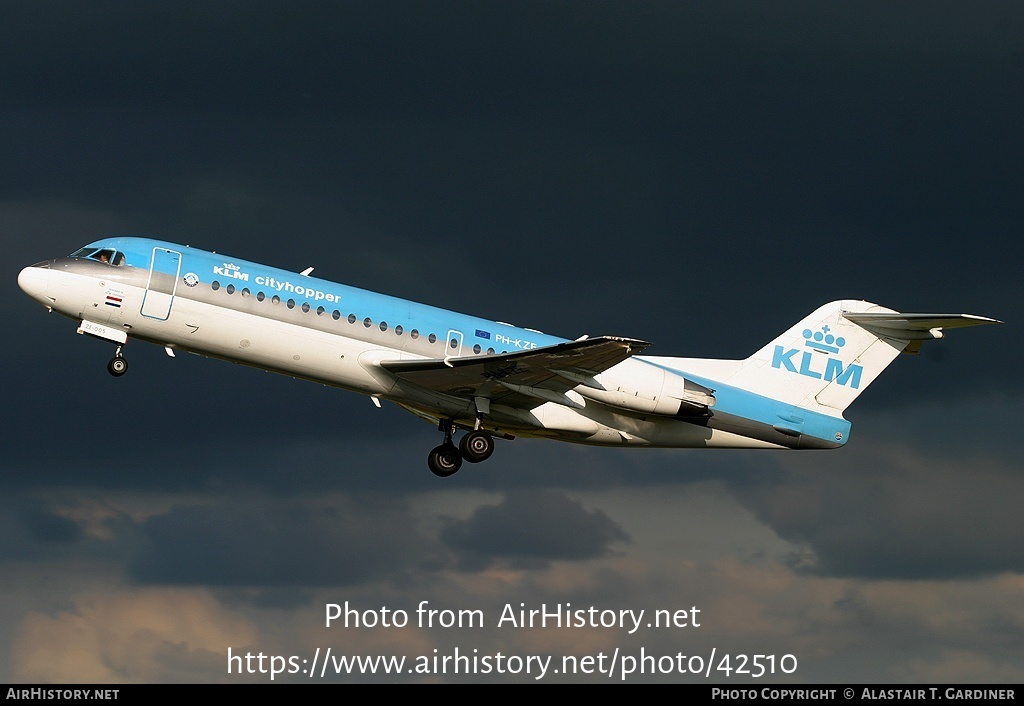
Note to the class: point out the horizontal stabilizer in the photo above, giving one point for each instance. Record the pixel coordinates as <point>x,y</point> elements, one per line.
<point>910,327</point>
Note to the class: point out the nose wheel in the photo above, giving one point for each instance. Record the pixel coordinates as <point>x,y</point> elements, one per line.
<point>117,366</point>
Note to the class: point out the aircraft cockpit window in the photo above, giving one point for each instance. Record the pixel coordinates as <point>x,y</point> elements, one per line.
<point>107,256</point>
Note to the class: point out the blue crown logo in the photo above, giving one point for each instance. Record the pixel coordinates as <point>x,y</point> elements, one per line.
<point>823,340</point>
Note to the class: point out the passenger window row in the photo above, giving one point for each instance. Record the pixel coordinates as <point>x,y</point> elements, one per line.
<point>336,315</point>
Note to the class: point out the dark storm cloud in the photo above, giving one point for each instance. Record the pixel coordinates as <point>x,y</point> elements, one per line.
<point>257,541</point>
<point>269,543</point>
<point>698,176</point>
<point>714,152</point>
<point>892,512</point>
<point>532,528</point>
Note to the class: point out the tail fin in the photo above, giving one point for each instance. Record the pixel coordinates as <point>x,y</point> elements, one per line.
<point>831,356</point>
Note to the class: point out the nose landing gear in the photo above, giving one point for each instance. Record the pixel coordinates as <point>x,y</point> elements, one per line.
<point>117,366</point>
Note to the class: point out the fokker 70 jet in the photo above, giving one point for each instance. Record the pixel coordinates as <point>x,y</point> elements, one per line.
<point>488,378</point>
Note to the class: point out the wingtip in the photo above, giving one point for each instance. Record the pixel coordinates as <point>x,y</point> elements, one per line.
<point>983,320</point>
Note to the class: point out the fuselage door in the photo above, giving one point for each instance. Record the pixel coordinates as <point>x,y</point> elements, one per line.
<point>163,282</point>
<point>453,348</point>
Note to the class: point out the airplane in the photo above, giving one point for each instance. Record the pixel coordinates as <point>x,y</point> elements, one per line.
<point>490,379</point>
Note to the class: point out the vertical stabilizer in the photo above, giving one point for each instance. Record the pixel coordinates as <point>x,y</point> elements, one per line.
<point>831,356</point>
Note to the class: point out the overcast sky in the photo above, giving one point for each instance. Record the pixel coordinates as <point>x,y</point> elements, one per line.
<point>699,175</point>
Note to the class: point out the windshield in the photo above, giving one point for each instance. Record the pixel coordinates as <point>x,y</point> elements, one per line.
<point>107,256</point>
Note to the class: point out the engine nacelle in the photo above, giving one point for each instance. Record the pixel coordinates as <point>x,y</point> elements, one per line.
<point>651,390</point>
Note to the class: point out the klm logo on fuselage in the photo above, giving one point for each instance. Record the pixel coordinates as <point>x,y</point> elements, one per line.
<point>231,270</point>
<point>804,362</point>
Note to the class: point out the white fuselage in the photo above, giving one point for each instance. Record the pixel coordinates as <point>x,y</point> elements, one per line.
<point>635,406</point>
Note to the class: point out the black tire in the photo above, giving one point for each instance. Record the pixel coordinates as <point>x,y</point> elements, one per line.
<point>444,460</point>
<point>117,366</point>
<point>477,446</point>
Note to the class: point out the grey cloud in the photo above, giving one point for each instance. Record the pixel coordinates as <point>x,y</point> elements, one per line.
<point>258,541</point>
<point>33,530</point>
<point>46,526</point>
<point>533,528</point>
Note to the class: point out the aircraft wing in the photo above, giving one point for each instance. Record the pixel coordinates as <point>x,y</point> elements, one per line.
<point>523,379</point>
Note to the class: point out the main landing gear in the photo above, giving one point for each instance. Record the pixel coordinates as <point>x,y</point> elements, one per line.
<point>117,366</point>
<point>446,459</point>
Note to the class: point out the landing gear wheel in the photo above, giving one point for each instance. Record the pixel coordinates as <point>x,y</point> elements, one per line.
<point>444,460</point>
<point>477,446</point>
<point>117,366</point>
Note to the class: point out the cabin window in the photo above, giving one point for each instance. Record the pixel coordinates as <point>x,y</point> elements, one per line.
<point>490,351</point>
<point>476,348</point>
<point>320,311</point>
<point>454,343</point>
<point>414,334</point>
<point>230,289</point>
<point>260,296</point>
<point>398,330</point>
<point>275,300</point>
<point>335,314</point>
<point>245,292</point>
<point>383,325</point>
<point>432,338</point>
<point>351,318</point>
<point>367,322</point>
<point>215,285</point>
<point>291,303</point>
<point>305,307</point>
